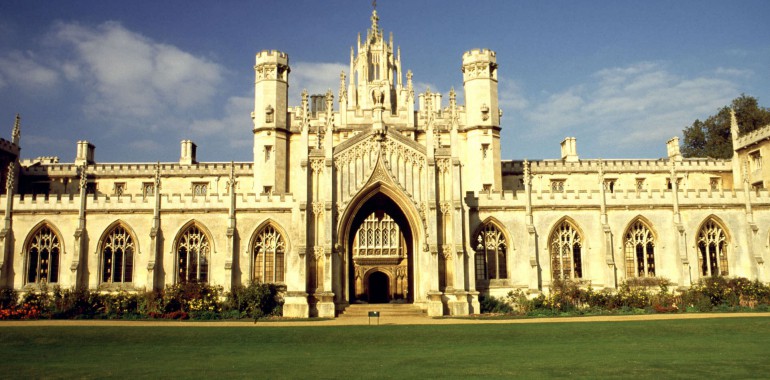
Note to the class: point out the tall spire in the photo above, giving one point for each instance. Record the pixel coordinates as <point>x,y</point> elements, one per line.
<point>375,18</point>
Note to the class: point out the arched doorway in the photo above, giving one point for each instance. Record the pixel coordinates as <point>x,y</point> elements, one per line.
<point>378,288</point>
<point>380,250</point>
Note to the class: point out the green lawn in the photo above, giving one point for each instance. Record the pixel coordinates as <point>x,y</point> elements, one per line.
<point>704,348</point>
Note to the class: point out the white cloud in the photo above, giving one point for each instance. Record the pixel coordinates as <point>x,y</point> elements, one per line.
<point>729,71</point>
<point>316,77</point>
<point>233,123</point>
<point>130,75</point>
<point>511,95</point>
<point>628,106</point>
<point>22,70</point>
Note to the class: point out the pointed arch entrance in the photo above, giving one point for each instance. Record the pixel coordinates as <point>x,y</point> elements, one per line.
<point>379,252</point>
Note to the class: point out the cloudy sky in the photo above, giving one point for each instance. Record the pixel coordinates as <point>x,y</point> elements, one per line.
<point>136,77</point>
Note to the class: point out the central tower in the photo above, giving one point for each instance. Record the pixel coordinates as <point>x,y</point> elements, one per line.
<point>375,71</point>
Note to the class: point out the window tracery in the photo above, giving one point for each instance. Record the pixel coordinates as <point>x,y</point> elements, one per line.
<point>193,249</point>
<point>491,254</point>
<point>566,245</point>
<point>43,257</point>
<point>712,249</point>
<point>117,257</point>
<point>640,251</point>
<point>378,236</point>
<point>268,255</point>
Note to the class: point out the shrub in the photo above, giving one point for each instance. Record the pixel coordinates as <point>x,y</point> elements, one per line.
<point>494,305</point>
<point>257,300</point>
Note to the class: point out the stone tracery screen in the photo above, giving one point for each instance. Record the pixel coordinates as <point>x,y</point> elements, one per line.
<point>640,251</point>
<point>378,237</point>
<point>269,248</point>
<point>193,251</point>
<point>491,250</point>
<point>712,250</point>
<point>117,257</point>
<point>43,257</point>
<point>566,244</point>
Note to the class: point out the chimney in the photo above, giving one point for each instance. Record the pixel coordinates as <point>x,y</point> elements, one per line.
<point>569,149</point>
<point>188,156</point>
<point>85,154</point>
<point>672,148</point>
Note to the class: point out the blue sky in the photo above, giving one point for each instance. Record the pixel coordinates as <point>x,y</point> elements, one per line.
<point>135,78</point>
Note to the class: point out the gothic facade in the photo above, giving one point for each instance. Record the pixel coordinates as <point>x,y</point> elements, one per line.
<point>379,194</point>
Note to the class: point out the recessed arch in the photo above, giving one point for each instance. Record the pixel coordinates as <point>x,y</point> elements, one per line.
<point>566,244</point>
<point>712,242</point>
<point>42,252</point>
<point>379,198</point>
<point>192,249</point>
<point>639,248</point>
<point>268,247</point>
<point>398,197</point>
<point>117,249</point>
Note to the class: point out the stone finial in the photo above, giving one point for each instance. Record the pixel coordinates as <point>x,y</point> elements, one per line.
<point>16,134</point>
<point>10,179</point>
<point>157,175</point>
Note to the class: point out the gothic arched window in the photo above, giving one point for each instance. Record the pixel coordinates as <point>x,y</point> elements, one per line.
<point>43,252</point>
<point>117,263</point>
<point>640,251</point>
<point>269,249</point>
<point>712,249</point>
<point>193,250</point>
<point>566,245</point>
<point>491,253</point>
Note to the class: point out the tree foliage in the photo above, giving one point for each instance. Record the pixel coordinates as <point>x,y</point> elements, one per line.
<point>711,137</point>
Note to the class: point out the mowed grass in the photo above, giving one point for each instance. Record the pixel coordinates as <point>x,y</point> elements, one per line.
<point>703,348</point>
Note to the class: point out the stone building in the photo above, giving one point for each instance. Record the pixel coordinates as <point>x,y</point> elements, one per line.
<point>379,194</point>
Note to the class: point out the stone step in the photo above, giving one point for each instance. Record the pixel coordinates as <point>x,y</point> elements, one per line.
<point>385,309</point>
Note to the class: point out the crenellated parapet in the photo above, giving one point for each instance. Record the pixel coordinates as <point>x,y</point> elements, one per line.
<point>752,138</point>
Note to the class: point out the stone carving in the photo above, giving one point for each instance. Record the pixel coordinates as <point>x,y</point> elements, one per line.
<point>318,208</point>
<point>318,252</point>
<point>446,252</point>
<point>317,164</point>
<point>442,164</point>
<point>446,207</point>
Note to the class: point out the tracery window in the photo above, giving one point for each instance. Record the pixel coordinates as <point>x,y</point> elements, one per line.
<point>566,244</point>
<point>712,249</point>
<point>193,250</point>
<point>640,251</point>
<point>117,257</point>
<point>378,236</point>
<point>200,188</point>
<point>491,254</point>
<point>269,249</point>
<point>43,257</point>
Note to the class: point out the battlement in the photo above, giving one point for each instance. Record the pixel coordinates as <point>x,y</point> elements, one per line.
<point>752,137</point>
<point>7,146</point>
<point>58,203</point>
<point>272,56</point>
<point>143,169</point>
<point>619,165</point>
<point>479,55</point>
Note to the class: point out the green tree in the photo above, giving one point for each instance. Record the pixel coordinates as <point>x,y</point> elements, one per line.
<point>711,137</point>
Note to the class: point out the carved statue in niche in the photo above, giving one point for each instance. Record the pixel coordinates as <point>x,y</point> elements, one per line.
<point>378,96</point>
